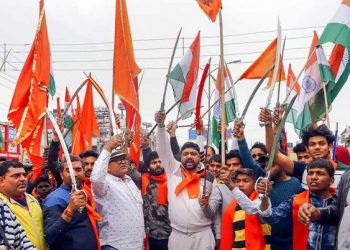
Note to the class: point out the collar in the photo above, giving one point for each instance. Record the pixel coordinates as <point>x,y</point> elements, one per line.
<point>29,199</point>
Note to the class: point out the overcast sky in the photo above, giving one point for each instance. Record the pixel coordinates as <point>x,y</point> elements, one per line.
<point>81,34</point>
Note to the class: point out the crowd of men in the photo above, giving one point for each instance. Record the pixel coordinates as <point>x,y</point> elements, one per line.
<point>181,197</point>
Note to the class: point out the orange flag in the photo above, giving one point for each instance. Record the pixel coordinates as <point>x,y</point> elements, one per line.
<point>27,109</point>
<point>210,7</point>
<point>292,79</point>
<point>125,75</point>
<point>263,64</point>
<point>88,123</point>
<point>78,144</point>
<point>124,65</point>
<point>336,58</point>
<point>283,75</point>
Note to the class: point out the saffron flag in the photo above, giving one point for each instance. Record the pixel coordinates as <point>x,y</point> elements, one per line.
<point>125,73</point>
<point>210,7</point>
<point>230,108</point>
<point>88,123</point>
<point>78,144</point>
<point>27,109</point>
<point>183,78</point>
<point>263,63</point>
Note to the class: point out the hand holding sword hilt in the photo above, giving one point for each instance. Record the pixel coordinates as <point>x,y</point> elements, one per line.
<point>265,117</point>
<point>263,187</point>
<point>78,200</point>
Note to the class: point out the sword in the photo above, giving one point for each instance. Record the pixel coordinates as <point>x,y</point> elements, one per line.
<point>254,92</point>
<point>162,105</point>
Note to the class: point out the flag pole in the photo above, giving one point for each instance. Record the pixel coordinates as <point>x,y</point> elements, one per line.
<point>280,74</point>
<point>326,103</point>
<point>222,84</point>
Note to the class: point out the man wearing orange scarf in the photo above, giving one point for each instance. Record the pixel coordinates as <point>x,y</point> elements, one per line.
<point>191,228</point>
<point>155,203</point>
<point>320,177</point>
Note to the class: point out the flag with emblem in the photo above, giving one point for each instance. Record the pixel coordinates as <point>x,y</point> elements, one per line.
<point>309,106</point>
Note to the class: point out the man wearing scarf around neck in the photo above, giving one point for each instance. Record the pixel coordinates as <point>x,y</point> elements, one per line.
<point>191,228</point>
<point>155,206</point>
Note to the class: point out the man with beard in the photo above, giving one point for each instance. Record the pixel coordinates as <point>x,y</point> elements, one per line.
<point>43,188</point>
<point>13,184</point>
<point>88,157</point>
<point>191,228</point>
<point>70,220</point>
<point>118,199</point>
<point>155,206</point>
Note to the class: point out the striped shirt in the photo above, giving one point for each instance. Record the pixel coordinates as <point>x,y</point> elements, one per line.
<point>14,232</point>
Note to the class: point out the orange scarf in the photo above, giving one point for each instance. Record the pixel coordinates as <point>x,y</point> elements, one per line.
<point>191,181</point>
<point>254,235</point>
<point>162,187</point>
<point>300,231</point>
<point>94,217</point>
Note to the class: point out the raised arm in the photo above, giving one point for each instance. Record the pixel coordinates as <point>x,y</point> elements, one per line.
<point>163,145</point>
<point>99,172</point>
<point>282,160</point>
<point>247,159</point>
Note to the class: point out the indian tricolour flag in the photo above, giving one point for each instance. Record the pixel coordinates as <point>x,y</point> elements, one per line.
<point>52,84</point>
<point>309,106</point>
<point>68,121</point>
<point>338,31</point>
<point>183,79</point>
<point>230,109</point>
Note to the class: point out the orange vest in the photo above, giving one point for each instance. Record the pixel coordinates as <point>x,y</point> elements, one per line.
<point>254,231</point>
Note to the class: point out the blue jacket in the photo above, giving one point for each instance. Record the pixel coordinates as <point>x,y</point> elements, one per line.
<point>247,159</point>
<point>59,234</point>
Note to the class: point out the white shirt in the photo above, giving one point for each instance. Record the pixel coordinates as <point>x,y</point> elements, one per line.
<point>120,204</point>
<point>185,214</point>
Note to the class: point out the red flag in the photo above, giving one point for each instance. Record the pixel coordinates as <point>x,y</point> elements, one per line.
<point>88,123</point>
<point>58,108</point>
<point>210,7</point>
<point>336,58</point>
<point>199,95</point>
<point>125,74</point>
<point>27,109</point>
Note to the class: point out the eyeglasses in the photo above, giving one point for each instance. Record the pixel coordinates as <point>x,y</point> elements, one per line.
<point>126,160</point>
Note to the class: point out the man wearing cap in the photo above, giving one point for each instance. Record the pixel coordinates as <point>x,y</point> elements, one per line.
<point>191,228</point>
<point>118,200</point>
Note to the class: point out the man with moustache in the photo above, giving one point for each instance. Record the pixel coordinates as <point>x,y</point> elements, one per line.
<point>88,157</point>
<point>13,184</point>
<point>70,220</point>
<point>118,199</point>
<point>191,228</point>
<point>155,206</point>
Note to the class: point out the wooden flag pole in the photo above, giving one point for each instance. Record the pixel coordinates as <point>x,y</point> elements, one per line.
<point>326,103</point>
<point>222,84</point>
